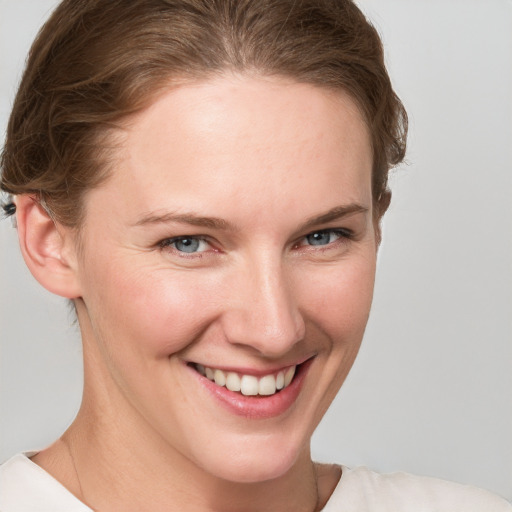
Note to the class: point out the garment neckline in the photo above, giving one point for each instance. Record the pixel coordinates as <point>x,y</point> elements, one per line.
<point>47,489</point>
<point>61,492</point>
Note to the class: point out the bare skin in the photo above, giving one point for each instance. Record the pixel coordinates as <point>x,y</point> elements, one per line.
<point>236,233</point>
<point>57,461</point>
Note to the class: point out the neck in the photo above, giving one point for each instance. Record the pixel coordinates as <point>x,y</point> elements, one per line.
<point>115,470</point>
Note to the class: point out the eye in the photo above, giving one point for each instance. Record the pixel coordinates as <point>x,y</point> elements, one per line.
<point>186,244</point>
<point>325,237</point>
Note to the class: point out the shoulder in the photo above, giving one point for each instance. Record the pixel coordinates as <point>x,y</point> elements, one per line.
<point>24,486</point>
<point>367,491</point>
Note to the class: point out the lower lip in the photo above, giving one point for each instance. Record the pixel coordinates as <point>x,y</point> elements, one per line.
<point>257,407</point>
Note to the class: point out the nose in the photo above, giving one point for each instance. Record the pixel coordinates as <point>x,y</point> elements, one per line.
<point>264,314</point>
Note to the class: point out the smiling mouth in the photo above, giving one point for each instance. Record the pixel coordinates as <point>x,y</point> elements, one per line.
<point>248,385</point>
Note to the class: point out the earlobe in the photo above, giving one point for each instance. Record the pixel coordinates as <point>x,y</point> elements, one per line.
<point>47,248</point>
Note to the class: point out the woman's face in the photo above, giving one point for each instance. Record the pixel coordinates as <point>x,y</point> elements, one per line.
<point>234,238</point>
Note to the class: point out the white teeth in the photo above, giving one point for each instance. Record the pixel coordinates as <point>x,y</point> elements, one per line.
<point>267,385</point>
<point>280,380</point>
<point>249,385</point>
<point>219,377</point>
<point>288,376</point>
<point>233,382</point>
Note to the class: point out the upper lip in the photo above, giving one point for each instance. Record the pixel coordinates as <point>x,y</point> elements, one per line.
<point>257,372</point>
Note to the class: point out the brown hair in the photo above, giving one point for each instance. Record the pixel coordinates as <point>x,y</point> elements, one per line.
<point>96,61</point>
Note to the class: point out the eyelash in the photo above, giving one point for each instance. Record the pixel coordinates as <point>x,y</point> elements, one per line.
<point>344,235</point>
<point>169,242</point>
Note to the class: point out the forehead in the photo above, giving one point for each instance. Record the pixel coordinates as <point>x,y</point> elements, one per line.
<point>227,143</point>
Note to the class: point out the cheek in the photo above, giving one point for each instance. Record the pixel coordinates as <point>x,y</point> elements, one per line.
<point>151,311</point>
<point>339,298</point>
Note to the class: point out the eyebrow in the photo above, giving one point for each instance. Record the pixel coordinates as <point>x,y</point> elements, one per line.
<point>334,214</point>
<point>216,223</point>
<point>185,218</point>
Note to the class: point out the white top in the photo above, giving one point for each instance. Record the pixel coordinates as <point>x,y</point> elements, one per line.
<point>26,487</point>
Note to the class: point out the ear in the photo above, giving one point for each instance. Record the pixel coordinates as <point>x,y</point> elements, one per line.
<point>48,248</point>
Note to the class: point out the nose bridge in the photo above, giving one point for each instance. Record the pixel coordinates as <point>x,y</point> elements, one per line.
<point>266,315</point>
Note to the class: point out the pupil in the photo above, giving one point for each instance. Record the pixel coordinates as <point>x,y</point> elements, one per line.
<point>187,245</point>
<point>318,238</point>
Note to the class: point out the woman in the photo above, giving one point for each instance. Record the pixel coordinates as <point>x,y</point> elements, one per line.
<point>205,181</point>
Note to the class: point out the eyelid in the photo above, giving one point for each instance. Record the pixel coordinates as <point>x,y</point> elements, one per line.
<point>344,235</point>
<point>167,243</point>
<point>344,232</point>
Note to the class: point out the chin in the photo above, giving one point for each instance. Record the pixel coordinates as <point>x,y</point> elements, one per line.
<point>250,462</point>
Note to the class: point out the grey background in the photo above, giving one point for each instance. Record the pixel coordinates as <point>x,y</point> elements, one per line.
<point>431,391</point>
